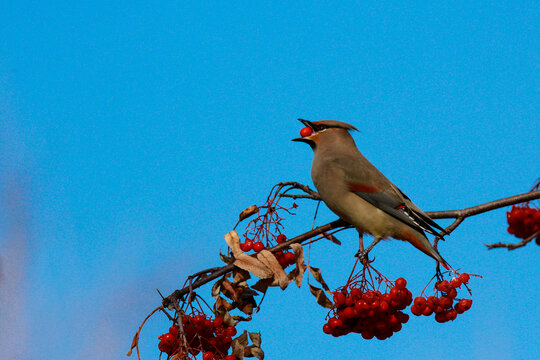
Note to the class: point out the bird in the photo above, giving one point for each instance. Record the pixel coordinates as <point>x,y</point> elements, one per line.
<point>356,191</point>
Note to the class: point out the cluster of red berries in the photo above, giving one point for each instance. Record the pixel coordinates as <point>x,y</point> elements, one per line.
<point>285,258</point>
<point>202,334</point>
<point>441,305</point>
<point>370,313</point>
<point>523,221</point>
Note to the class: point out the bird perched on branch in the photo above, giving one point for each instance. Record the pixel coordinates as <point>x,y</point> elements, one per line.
<point>359,193</point>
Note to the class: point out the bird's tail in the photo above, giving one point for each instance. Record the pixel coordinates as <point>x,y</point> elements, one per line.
<point>421,242</point>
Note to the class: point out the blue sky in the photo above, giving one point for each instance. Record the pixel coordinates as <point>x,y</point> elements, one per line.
<point>133,133</point>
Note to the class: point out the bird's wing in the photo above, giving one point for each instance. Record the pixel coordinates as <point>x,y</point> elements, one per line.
<point>366,181</point>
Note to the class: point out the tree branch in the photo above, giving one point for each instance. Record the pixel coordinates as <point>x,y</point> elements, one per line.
<point>513,246</point>
<point>459,215</point>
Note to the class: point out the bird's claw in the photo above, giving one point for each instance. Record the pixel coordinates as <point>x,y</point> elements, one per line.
<point>362,255</point>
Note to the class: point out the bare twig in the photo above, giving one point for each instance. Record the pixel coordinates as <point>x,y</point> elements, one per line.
<point>515,245</point>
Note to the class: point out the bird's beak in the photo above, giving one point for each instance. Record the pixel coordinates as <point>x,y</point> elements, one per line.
<point>307,140</point>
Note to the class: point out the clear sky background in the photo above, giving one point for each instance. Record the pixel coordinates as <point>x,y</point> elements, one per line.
<point>132,133</point>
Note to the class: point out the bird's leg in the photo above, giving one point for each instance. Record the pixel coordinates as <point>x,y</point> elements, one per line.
<point>362,254</point>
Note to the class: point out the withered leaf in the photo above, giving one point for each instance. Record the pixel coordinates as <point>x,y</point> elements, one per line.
<point>262,285</point>
<point>255,338</point>
<point>239,318</point>
<point>316,272</point>
<point>331,237</point>
<point>320,297</point>
<point>256,352</point>
<point>228,319</point>
<point>268,259</point>
<point>238,345</point>
<point>226,259</point>
<point>240,275</point>
<point>254,266</point>
<point>300,265</point>
<point>222,304</point>
<point>248,212</point>
<point>216,288</point>
<point>233,241</point>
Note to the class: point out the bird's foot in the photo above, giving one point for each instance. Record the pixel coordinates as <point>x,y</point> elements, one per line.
<point>362,255</point>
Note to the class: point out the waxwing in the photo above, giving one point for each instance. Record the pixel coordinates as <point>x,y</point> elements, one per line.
<point>359,193</point>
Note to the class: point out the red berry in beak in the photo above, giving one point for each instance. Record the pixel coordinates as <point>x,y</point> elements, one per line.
<point>306,131</point>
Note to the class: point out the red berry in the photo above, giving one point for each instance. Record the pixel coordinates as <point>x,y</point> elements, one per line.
<point>401,283</point>
<point>339,299</point>
<point>231,331</point>
<point>349,313</point>
<point>356,293</point>
<point>368,335</point>
<point>465,304</point>
<point>173,330</point>
<point>327,329</point>
<point>208,356</point>
<point>258,246</point>
<point>416,310</point>
<point>290,258</point>
<point>218,321</point>
<point>420,302</point>
<point>167,339</point>
<point>229,357</point>
<point>165,348</point>
<point>383,306</point>
<point>427,311</point>
<point>281,238</point>
<point>445,302</point>
<point>246,245</point>
<point>306,131</point>
<point>441,317</point>
<point>443,286</point>
<point>335,323</point>
<point>455,282</point>
<point>451,315</point>
<point>464,278</point>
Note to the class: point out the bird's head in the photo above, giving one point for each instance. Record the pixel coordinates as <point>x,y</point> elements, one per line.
<point>316,132</point>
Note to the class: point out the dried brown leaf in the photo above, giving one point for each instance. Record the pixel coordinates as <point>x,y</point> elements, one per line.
<point>253,265</point>
<point>256,352</point>
<point>240,275</point>
<point>239,344</point>
<point>320,297</point>
<point>233,240</point>
<point>268,259</point>
<point>255,339</point>
<point>228,319</point>
<point>226,259</point>
<point>216,288</point>
<point>248,212</point>
<point>300,265</point>
<point>262,285</point>
<point>331,237</point>
<point>229,290</point>
<point>222,304</point>
<point>316,272</point>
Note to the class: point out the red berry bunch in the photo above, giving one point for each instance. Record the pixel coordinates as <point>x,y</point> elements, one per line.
<point>200,334</point>
<point>523,221</point>
<point>285,258</point>
<point>369,312</point>
<point>441,305</point>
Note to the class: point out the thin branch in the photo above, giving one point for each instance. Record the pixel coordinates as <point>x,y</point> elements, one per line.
<point>492,205</point>
<point>514,246</point>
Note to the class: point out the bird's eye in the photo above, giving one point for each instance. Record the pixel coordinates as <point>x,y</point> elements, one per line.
<point>321,127</point>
